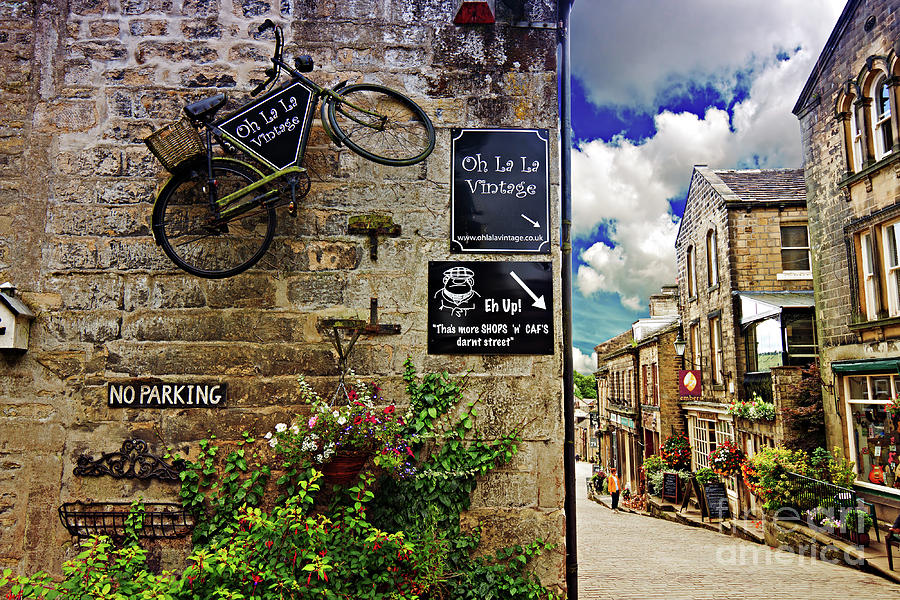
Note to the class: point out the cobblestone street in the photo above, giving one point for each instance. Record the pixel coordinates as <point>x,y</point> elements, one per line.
<point>634,556</point>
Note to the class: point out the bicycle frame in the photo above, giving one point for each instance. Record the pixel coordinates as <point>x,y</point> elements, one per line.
<point>218,130</point>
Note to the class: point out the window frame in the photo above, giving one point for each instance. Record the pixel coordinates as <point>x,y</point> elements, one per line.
<point>712,259</point>
<point>891,272</point>
<point>717,351</point>
<point>856,139</point>
<point>691,271</point>
<point>868,275</point>
<point>849,403</point>
<point>808,268</point>
<point>881,117</point>
<point>694,335</point>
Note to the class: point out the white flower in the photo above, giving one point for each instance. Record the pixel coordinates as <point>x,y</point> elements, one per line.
<point>268,435</point>
<point>280,427</point>
<point>273,442</point>
<point>341,420</point>
<point>294,429</point>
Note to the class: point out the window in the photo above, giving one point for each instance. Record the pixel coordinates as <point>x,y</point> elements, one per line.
<point>891,245</point>
<point>717,351</point>
<point>691,274</point>
<point>794,248</point>
<point>712,266</point>
<point>654,396</point>
<point>856,139</point>
<point>873,432</point>
<point>645,385</point>
<point>785,340</point>
<point>695,345</point>
<point>870,282</point>
<point>882,135</point>
<point>706,435</point>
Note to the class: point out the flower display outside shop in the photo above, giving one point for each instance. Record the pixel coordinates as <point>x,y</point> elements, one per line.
<point>894,407</point>
<point>364,425</point>
<point>755,409</point>
<point>676,452</point>
<point>726,459</point>
<point>706,475</point>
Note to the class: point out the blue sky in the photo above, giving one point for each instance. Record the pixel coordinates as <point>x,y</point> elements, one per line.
<point>658,86</point>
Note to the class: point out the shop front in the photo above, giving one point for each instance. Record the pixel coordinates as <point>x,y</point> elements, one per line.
<point>869,390</point>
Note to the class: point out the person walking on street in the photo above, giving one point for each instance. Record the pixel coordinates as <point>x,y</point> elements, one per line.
<point>614,488</point>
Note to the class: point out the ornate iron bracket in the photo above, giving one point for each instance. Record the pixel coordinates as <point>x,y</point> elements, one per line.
<point>373,226</point>
<point>353,328</point>
<point>132,461</point>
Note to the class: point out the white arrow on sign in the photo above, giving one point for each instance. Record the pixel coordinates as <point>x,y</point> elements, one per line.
<point>535,223</point>
<point>538,302</point>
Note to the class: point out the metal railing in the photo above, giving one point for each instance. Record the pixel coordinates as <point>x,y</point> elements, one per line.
<point>808,493</point>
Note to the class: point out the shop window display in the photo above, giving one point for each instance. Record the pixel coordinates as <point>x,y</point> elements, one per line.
<point>875,432</point>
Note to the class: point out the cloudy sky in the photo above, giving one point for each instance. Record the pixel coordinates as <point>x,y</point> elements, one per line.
<point>659,86</point>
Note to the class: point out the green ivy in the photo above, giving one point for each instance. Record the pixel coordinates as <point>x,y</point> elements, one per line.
<point>373,540</point>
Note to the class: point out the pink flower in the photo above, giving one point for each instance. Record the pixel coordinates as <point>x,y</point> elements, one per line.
<point>312,421</point>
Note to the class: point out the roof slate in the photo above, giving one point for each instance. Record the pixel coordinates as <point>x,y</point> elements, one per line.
<point>765,185</point>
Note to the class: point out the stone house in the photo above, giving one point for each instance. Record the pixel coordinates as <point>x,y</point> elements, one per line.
<point>745,297</point>
<point>637,382</point>
<point>84,83</point>
<point>611,383</point>
<point>848,112</point>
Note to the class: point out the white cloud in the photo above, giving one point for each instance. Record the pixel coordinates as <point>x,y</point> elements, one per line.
<point>625,185</point>
<point>583,363</point>
<point>640,53</point>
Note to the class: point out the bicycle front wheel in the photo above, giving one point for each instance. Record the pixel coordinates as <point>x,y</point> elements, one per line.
<point>206,242</point>
<point>381,125</point>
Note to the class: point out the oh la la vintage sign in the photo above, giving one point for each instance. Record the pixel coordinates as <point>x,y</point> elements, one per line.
<point>145,394</point>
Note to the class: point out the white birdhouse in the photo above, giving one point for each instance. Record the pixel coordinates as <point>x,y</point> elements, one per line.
<point>15,320</point>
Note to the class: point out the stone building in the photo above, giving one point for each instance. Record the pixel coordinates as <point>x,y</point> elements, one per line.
<point>611,392</point>
<point>84,82</point>
<point>638,389</point>
<point>746,302</point>
<point>848,112</point>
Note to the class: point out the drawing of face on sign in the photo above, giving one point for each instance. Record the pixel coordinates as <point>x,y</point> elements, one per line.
<point>458,294</point>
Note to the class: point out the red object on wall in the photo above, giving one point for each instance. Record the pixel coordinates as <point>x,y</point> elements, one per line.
<point>474,12</point>
<point>689,382</point>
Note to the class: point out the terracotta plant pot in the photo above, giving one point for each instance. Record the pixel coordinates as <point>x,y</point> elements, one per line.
<point>344,467</point>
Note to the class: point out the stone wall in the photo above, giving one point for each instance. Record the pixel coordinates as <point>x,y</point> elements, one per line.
<point>833,201</point>
<point>85,82</point>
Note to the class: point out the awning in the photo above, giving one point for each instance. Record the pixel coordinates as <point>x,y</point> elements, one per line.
<point>878,365</point>
<point>756,306</point>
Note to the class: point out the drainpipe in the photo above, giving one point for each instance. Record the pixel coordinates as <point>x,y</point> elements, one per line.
<point>564,8</point>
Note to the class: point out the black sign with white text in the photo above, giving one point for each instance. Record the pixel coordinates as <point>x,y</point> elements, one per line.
<point>490,307</point>
<point>144,394</point>
<point>500,191</point>
<point>273,128</point>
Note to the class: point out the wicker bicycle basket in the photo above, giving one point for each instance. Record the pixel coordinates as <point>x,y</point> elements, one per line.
<point>175,144</point>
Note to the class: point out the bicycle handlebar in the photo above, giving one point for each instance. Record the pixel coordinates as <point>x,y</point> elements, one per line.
<point>271,72</point>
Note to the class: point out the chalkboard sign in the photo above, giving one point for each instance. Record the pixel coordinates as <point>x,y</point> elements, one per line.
<point>670,487</point>
<point>499,192</point>
<point>686,493</point>
<point>274,128</point>
<point>717,500</point>
<point>490,307</point>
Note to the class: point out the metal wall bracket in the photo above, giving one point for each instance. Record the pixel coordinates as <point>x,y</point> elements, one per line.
<point>132,461</point>
<point>352,328</point>
<point>373,226</point>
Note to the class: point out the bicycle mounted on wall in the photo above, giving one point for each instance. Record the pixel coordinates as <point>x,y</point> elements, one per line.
<point>215,217</point>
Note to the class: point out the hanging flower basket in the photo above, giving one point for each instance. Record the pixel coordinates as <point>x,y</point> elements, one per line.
<point>726,460</point>
<point>344,467</point>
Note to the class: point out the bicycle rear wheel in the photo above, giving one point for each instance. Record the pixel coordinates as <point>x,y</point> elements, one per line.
<point>199,240</point>
<point>380,124</point>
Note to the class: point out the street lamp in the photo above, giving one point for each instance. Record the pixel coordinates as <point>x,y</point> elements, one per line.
<point>680,344</point>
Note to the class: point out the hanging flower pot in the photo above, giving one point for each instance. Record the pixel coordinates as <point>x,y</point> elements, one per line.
<point>344,467</point>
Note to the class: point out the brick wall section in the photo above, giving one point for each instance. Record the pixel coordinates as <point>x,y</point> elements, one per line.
<point>824,157</point>
<point>83,83</point>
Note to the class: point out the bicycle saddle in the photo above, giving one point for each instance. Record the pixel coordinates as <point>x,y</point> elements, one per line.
<point>201,109</point>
